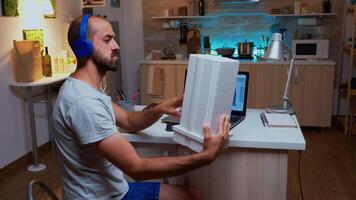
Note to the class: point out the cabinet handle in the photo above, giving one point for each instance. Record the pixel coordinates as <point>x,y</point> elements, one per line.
<point>296,76</point>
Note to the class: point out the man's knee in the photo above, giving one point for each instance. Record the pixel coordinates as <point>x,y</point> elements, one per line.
<point>196,193</point>
<point>180,192</point>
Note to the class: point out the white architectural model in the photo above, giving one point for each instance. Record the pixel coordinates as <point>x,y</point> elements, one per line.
<point>209,90</point>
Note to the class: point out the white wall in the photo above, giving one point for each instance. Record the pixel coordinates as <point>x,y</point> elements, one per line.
<point>14,123</point>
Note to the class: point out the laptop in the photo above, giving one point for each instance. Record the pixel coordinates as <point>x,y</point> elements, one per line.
<point>239,104</point>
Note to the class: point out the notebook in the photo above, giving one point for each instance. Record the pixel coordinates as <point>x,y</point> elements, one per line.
<point>277,120</point>
<point>239,103</point>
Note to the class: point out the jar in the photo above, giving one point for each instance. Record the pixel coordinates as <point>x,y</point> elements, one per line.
<point>297,7</point>
<point>304,8</point>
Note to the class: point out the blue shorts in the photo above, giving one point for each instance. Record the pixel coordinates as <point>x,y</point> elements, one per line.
<point>143,191</point>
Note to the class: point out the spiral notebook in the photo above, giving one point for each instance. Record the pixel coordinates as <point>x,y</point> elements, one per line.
<point>277,120</point>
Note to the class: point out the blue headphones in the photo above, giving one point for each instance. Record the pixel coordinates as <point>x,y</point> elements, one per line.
<point>82,47</point>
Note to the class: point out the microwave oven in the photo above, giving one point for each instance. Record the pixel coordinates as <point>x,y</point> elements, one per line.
<point>311,49</point>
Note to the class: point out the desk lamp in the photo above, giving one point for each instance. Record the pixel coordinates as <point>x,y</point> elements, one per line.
<point>275,52</point>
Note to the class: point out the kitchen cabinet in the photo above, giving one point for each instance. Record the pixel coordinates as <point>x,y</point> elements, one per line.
<point>310,92</point>
<point>148,150</point>
<point>266,85</point>
<point>160,82</point>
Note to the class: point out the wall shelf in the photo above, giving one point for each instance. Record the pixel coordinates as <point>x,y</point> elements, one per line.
<point>184,17</point>
<point>304,15</point>
<point>246,14</point>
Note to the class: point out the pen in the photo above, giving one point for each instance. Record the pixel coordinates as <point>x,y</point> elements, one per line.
<point>263,118</point>
<point>123,95</point>
<point>135,95</point>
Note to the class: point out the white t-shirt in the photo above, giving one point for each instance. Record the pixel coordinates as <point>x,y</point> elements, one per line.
<point>83,116</point>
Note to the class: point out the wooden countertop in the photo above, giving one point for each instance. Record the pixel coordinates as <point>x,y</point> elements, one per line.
<point>246,62</point>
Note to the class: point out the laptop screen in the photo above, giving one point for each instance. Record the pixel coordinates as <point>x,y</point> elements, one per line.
<point>240,96</point>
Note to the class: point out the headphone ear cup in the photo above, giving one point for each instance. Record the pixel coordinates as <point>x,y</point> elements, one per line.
<point>82,48</point>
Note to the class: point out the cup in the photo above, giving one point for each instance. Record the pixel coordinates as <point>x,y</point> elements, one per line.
<point>60,65</point>
<point>55,65</point>
<point>165,25</point>
<point>166,12</point>
<point>126,105</point>
<point>65,56</point>
<point>172,24</point>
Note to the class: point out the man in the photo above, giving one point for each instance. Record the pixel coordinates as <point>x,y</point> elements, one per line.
<point>92,150</point>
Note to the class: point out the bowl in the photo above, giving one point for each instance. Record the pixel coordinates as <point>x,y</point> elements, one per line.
<point>225,51</point>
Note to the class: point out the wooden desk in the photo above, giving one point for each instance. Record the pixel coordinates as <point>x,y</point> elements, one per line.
<point>47,81</point>
<point>253,167</point>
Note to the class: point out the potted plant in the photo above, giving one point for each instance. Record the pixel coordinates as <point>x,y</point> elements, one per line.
<point>326,6</point>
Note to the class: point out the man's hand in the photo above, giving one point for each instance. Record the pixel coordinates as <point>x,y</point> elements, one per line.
<point>170,106</point>
<point>213,144</point>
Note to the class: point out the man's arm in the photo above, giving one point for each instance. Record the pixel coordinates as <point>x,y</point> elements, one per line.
<point>122,154</point>
<point>135,121</point>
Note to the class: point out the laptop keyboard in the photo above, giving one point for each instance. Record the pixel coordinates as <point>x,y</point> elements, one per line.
<point>234,119</point>
<point>173,120</point>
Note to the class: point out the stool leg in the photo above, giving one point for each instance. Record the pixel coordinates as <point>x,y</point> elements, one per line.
<point>350,127</point>
<point>36,165</point>
<point>49,116</point>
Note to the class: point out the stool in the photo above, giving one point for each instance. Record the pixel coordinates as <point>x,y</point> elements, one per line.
<point>42,185</point>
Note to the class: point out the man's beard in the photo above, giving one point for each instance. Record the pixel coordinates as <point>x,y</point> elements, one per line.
<point>104,63</point>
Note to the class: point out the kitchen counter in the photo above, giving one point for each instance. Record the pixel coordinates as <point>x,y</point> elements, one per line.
<point>254,166</point>
<point>246,62</point>
<point>249,134</point>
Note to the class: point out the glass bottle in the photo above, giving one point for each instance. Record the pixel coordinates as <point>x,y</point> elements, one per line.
<point>43,64</point>
<point>201,8</point>
<point>47,64</point>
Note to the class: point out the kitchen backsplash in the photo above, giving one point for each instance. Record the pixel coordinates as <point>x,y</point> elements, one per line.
<point>237,23</point>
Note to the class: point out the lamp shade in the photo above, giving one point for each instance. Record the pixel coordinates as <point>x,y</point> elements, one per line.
<point>275,49</point>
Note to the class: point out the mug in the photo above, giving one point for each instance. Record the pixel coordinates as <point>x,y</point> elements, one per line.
<point>126,105</point>
<point>165,25</point>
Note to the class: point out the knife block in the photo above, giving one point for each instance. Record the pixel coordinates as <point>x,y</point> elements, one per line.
<point>209,91</point>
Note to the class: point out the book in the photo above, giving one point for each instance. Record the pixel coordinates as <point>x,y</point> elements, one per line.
<point>277,120</point>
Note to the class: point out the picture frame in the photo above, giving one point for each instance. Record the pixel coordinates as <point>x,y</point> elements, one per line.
<point>9,8</point>
<point>52,9</point>
<point>92,3</point>
<point>34,34</point>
